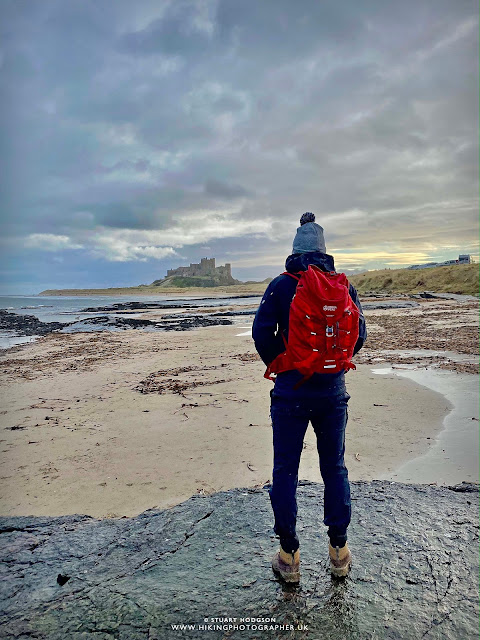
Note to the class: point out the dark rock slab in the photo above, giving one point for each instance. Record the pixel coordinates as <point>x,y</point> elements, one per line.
<point>425,294</point>
<point>194,303</point>
<point>222,314</point>
<point>445,296</point>
<point>390,304</point>
<point>415,572</point>
<point>30,325</point>
<point>135,306</point>
<point>244,312</point>
<point>27,325</point>
<point>184,323</point>
<point>119,323</point>
<point>175,323</point>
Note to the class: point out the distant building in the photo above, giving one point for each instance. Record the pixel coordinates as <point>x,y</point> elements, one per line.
<point>462,259</point>
<point>206,267</point>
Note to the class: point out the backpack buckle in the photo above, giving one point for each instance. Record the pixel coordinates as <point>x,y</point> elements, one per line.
<point>329,332</point>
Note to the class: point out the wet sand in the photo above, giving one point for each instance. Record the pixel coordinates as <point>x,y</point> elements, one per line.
<point>454,455</point>
<point>445,330</point>
<point>116,423</point>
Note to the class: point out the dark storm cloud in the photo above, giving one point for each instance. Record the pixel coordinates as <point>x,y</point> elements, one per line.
<point>222,190</point>
<point>226,117</point>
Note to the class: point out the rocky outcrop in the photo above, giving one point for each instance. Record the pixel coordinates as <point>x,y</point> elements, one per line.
<point>27,325</point>
<point>414,574</point>
<point>175,322</point>
<point>390,304</point>
<point>30,325</point>
<point>134,306</point>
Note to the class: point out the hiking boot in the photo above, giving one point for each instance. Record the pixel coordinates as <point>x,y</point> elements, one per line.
<point>340,560</point>
<point>287,565</point>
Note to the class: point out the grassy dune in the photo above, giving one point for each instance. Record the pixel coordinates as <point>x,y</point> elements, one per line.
<point>450,279</point>
<point>461,278</point>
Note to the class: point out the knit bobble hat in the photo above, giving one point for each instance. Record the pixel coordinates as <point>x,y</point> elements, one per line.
<point>309,235</point>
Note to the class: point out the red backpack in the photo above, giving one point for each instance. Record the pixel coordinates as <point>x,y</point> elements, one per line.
<point>322,326</point>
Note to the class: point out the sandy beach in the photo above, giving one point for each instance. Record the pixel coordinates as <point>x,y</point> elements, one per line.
<point>114,423</point>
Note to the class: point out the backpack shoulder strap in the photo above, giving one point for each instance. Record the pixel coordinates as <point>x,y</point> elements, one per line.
<point>294,276</point>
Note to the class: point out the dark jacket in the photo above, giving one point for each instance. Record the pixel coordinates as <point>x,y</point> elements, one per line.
<point>273,313</point>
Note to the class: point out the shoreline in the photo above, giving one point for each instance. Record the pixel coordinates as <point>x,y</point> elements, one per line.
<point>239,291</point>
<point>453,456</point>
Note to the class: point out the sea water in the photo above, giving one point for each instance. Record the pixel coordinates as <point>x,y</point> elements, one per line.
<point>70,308</point>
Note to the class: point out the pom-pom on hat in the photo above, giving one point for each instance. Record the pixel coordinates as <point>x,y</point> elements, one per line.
<point>309,235</point>
<point>307,217</point>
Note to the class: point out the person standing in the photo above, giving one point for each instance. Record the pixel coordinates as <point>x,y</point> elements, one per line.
<point>297,399</point>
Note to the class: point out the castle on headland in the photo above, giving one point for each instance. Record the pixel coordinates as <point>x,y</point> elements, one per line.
<point>206,267</point>
<point>203,274</point>
<point>462,259</point>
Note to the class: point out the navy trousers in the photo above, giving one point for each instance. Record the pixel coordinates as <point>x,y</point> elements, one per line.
<point>291,413</point>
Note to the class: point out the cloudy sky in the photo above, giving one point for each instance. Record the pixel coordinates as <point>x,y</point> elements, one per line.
<point>141,136</point>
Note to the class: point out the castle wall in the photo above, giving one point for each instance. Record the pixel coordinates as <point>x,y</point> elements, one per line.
<point>206,267</point>
<point>225,270</point>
